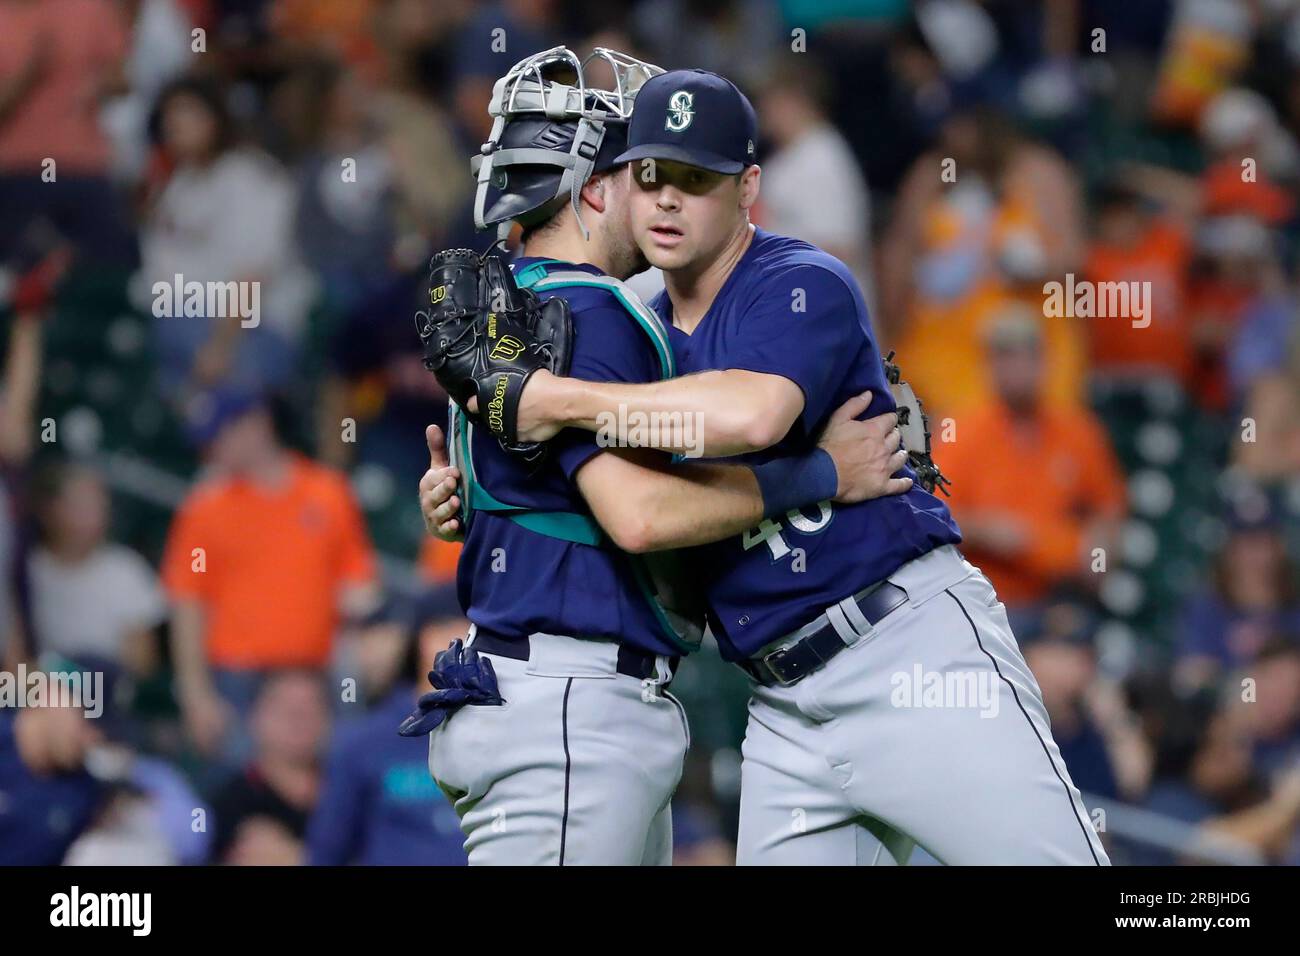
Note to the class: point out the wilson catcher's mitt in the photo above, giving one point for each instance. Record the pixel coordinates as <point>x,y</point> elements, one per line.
<point>484,336</point>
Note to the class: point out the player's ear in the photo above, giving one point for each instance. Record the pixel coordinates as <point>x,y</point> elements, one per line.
<point>596,192</point>
<point>749,180</point>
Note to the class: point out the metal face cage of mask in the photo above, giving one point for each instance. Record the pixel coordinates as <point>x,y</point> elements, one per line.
<point>546,111</point>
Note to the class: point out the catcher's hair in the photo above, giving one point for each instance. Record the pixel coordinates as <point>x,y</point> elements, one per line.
<point>549,224</point>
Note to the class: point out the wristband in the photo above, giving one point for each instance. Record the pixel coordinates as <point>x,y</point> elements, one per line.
<point>787,483</point>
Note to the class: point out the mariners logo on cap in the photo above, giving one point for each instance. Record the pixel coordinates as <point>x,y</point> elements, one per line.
<point>680,112</point>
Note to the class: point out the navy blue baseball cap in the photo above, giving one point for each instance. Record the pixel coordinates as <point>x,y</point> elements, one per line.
<point>692,117</point>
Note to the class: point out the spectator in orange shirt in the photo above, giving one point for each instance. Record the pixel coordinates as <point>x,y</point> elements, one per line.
<point>1035,486</point>
<point>264,560</point>
<point>1132,243</point>
<point>964,247</point>
<point>1252,158</point>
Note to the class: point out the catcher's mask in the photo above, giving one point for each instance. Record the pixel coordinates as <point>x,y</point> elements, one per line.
<point>550,133</point>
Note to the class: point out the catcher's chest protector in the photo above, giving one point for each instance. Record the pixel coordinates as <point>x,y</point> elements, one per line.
<point>575,527</point>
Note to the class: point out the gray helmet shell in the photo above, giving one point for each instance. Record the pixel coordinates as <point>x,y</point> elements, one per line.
<point>528,193</point>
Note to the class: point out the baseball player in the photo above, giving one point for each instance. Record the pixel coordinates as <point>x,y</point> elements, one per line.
<point>891,705</point>
<point>571,747</point>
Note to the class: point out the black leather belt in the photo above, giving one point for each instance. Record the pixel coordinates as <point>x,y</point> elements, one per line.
<point>794,663</point>
<point>632,661</point>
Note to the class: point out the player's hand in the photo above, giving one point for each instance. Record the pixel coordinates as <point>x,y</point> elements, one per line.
<point>439,502</point>
<point>207,716</point>
<point>866,453</point>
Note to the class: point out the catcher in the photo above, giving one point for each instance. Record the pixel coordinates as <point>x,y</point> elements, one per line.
<point>551,727</point>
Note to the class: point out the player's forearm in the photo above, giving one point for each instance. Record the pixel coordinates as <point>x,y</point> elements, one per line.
<point>645,504</point>
<point>697,504</point>
<point>712,414</point>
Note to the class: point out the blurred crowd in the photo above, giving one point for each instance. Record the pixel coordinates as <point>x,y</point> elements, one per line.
<point>220,516</point>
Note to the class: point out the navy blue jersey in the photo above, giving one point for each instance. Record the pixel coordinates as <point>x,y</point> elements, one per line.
<point>790,309</point>
<point>516,581</point>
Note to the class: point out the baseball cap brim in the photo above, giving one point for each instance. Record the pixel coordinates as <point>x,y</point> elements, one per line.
<point>680,154</point>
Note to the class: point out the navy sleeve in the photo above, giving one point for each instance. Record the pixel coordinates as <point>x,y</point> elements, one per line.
<point>609,345</point>
<point>806,325</point>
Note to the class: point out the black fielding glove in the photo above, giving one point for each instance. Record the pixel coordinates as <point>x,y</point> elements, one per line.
<point>484,337</point>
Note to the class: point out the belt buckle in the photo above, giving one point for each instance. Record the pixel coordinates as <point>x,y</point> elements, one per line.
<point>774,670</point>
